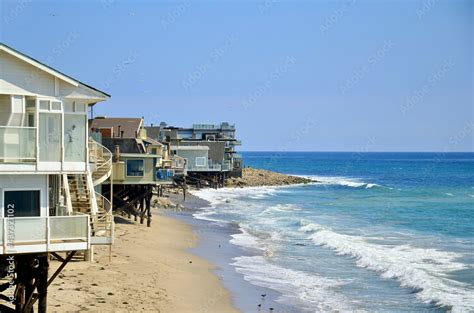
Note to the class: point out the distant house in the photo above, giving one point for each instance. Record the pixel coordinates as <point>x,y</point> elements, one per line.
<point>140,164</point>
<point>48,171</point>
<point>209,149</point>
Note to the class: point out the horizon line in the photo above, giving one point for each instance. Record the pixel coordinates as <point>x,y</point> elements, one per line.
<point>347,151</point>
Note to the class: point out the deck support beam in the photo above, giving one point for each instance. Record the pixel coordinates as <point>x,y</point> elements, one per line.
<point>61,267</point>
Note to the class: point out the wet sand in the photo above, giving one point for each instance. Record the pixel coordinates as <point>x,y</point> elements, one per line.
<point>151,270</point>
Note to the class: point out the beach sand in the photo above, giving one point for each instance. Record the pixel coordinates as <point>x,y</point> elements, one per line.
<point>150,270</point>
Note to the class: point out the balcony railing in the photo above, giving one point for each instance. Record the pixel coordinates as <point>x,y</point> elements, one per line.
<point>17,144</point>
<point>213,127</point>
<point>226,166</point>
<point>210,167</point>
<point>101,158</point>
<point>44,234</point>
<point>103,222</point>
<point>164,175</point>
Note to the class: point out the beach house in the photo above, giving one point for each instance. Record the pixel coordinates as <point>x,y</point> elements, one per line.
<point>141,165</point>
<point>209,150</point>
<point>48,171</point>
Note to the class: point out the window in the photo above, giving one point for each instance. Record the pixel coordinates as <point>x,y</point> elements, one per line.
<point>30,103</point>
<point>74,138</point>
<point>50,105</point>
<point>135,168</point>
<point>56,106</point>
<point>21,203</point>
<point>44,104</point>
<point>50,137</point>
<point>74,107</point>
<point>31,119</point>
<point>68,106</point>
<point>80,107</point>
<point>201,161</point>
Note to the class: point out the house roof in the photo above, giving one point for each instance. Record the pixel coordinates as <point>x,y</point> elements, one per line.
<point>153,131</point>
<point>126,145</point>
<point>48,69</point>
<point>129,126</point>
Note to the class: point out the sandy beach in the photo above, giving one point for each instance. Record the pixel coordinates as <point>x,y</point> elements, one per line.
<point>150,270</point>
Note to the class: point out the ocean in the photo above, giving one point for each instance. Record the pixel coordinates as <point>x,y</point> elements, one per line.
<point>391,232</point>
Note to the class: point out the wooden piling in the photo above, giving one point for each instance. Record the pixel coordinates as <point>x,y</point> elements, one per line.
<point>42,285</point>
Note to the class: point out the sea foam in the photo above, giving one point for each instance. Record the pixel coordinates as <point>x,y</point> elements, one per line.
<point>425,270</point>
<point>315,292</point>
<point>340,180</point>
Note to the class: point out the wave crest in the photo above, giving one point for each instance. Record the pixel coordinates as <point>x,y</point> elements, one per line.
<point>419,268</point>
<point>340,181</point>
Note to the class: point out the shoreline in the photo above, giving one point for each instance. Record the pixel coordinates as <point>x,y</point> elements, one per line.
<point>151,269</point>
<point>216,246</point>
<point>150,266</point>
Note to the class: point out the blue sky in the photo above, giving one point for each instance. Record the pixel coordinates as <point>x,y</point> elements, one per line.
<point>293,76</point>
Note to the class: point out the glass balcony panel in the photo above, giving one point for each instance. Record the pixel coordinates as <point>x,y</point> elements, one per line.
<point>26,229</point>
<point>68,227</point>
<point>17,144</point>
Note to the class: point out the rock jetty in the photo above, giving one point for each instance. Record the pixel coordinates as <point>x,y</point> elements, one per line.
<point>252,177</point>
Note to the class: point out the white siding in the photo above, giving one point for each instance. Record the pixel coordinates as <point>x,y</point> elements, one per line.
<point>33,182</point>
<point>68,91</point>
<point>19,77</point>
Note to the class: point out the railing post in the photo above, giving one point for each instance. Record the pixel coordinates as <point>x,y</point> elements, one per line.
<point>68,194</point>
<point>48,232</point>
<point>88,232</point>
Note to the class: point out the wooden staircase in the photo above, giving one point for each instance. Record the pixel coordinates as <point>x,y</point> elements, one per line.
<point>80,194</point>
<point>84,200</point>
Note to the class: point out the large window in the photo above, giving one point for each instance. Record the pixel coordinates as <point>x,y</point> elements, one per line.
<point>201,161</point>
<point>74,138</point>
<point>135,168</point>
<point>21,203</point>
<point>50,137</point>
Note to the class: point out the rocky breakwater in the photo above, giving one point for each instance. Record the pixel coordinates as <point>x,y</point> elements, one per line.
<point>252,177</point>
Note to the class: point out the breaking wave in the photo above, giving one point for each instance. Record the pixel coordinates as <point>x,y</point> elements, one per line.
<point>341,181</point>
<point>425,270</point>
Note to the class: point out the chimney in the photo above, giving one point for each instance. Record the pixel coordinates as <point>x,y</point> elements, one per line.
<point>117,154</point>
<point>119,131</point>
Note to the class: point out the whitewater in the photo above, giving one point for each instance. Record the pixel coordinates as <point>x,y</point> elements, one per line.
<point>387,240</point>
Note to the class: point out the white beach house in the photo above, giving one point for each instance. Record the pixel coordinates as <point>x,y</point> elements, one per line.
<point>48,165</point>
